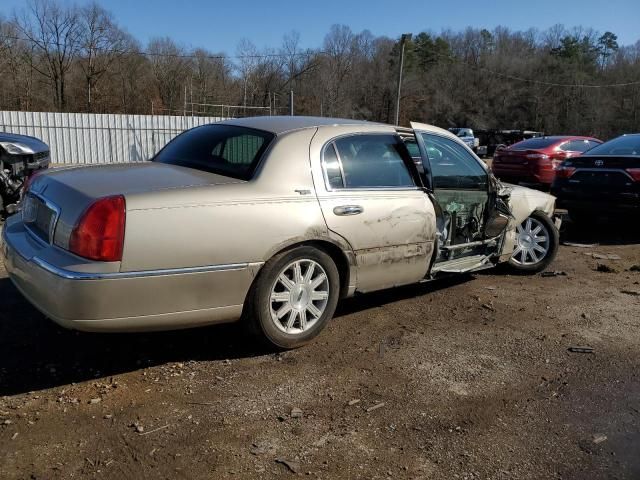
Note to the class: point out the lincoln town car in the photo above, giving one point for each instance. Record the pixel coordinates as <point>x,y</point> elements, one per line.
<point>269,221</point>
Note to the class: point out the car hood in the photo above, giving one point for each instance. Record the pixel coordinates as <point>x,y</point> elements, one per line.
<point>33,143</point>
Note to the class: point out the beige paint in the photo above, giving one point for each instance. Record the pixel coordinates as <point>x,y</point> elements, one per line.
<point>179,218</point>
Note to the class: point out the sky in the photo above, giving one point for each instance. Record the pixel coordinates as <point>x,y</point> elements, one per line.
<point>220,25</point>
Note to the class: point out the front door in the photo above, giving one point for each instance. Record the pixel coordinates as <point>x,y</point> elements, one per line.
<point>466,203</point>
<point>368,196</point>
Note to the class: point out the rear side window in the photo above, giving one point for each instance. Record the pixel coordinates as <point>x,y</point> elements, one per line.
<point>222,149</point>
<point>370,161</point>
<point>332,168</point>
<point>535,143</point>
<point>577,146</point>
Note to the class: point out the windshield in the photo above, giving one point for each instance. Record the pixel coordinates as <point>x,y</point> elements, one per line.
<point>625,145</point>
<point>222,149</point>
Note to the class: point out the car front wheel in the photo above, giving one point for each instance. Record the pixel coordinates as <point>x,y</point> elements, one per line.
<point>294,297</point>
<point>537,241</point>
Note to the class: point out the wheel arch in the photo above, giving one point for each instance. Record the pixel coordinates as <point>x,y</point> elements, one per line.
<point>340,254</point>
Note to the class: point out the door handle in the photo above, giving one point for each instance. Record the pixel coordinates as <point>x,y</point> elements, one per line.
<point>344,210</point>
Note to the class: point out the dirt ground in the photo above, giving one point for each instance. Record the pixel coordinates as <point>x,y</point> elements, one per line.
<point>464,378</point>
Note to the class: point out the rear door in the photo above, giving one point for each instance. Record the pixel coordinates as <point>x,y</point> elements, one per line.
<point>366,186</point>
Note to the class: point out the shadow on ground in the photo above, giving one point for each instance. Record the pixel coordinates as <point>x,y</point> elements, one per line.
<point>35,353</point>
<point>603,231</point>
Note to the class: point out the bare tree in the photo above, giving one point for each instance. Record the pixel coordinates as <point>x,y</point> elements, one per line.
<point>55,32</point>
<point>101,43</point>
<point>170,69</point>
<point>247,53</point>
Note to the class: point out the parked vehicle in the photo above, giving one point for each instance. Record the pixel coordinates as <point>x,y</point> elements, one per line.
<point>268,219</point>
<point>534,161</point>
<point>20,157</point>
<point>467,136</point>
<point>492,140</point>
<point>605,180</point>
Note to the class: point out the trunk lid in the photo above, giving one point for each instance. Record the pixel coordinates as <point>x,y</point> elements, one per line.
<point>103,180</point>
<point>515,157</point>
<point>57,198</point>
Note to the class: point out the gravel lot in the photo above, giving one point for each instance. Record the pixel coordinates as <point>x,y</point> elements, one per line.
<point>471,377</point>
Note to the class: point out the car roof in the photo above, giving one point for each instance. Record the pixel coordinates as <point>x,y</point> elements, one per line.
<point>283,124</point>
<point>559,138</point>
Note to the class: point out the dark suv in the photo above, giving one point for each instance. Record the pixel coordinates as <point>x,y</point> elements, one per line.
<point>603,181</point>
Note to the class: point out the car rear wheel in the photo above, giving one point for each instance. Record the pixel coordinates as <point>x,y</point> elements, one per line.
<point>294,297</point>
<point>537,241</point>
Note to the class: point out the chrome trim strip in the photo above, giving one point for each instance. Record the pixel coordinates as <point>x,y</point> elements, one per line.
<point>72,275</point>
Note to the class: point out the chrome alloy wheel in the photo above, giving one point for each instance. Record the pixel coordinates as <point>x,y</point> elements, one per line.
<point>532,242</point>
<point>299,296</point>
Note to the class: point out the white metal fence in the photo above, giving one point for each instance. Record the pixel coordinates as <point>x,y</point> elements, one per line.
<point>99,138</point>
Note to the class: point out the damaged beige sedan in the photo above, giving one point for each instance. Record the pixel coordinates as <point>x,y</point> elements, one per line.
<point>267,220</point>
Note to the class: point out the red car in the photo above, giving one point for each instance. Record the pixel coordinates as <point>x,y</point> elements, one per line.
<point>534,161</point>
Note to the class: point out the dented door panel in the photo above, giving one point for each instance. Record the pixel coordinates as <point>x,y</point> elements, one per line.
<point>392,238</point>
<point>390,230</point>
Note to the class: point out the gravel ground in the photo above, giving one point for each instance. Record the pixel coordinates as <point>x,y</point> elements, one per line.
<point>469,377</point>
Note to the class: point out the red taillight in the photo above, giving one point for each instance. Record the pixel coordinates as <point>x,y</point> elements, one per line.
<point>99,235</point>
<point>635,173</point>
<point>564,172</point>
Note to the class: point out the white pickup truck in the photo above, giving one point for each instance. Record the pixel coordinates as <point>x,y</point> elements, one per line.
<point>467,136</point>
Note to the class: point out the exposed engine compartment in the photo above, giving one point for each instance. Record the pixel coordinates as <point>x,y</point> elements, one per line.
<point>20,156</point>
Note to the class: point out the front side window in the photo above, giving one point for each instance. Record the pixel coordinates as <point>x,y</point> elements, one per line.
<point>452,166</point>
<point>222,149</point>
<point>367,161</point>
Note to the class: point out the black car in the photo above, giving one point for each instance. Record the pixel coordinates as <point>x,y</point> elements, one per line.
<point>20,157</point>
<point>603,181</point>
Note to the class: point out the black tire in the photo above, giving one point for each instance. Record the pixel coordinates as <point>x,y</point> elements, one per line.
<point>258,310</point>
<point>552,246</point>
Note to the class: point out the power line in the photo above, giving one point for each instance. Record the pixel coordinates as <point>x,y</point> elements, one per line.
<point>531,80</point>
<point>553,84</point>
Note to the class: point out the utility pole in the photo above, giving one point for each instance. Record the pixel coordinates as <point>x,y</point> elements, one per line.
<point>291,103</point>
<point>184,112</point>
<point>403,40</point>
